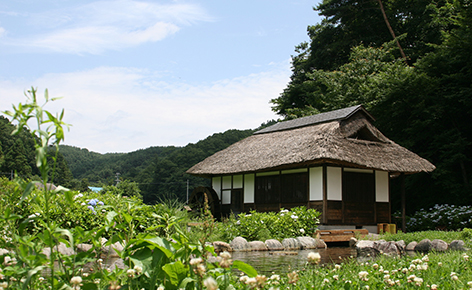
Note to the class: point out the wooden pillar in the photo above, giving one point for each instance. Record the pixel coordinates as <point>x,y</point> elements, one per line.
<point>325,195</point>
<point>402,185</point>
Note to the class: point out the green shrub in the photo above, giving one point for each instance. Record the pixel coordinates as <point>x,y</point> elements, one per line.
<point>446,217</point>
<point>298,221</point>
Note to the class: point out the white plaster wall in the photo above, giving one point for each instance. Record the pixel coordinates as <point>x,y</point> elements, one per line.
<point>381,186</point>
<point>249,187</point>
<point>334,183</point>
<point>226,182</point>
<point>226,197</point>
<point>237,181</point>
<point>316,183</point>
<point>216,185</point>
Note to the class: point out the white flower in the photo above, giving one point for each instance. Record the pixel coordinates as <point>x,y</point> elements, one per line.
<point>76,280</point>
<point>313,258</point>
<point>302,231</point>
<point>363,275</point>
<point>210,283</point>
<point>293,216</point>
<point>138,270</point>
<point>418,281</point>
<point>131,273</point>
<point>196,261</point>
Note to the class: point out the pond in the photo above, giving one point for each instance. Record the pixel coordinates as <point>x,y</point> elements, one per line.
<point>266,262</point>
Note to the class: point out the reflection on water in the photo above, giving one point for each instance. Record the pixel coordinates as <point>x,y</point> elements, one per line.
<point>265,263</point>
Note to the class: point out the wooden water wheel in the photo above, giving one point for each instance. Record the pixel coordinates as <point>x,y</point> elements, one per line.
<point>197,200</point>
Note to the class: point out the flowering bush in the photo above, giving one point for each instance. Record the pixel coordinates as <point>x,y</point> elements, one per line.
<point>444,216</point>
<point>298,221</point>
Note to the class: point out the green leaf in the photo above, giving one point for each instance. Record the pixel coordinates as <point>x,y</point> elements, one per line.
<point>68,234</point>
<point>176,272</point>
<point>30,275</point>
<point>27,191</point>
<point>185,282</point>
<point>246,268</point>
<point>128,218</point>
<point>69,195</point>
<point>162,244</point>
<point>110,217</point>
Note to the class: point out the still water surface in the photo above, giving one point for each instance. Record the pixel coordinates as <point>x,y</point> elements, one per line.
<point>265,263</point>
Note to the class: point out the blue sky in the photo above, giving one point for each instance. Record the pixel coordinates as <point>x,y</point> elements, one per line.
<point>135,74</point>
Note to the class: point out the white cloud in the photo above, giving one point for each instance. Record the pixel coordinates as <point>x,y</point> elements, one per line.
<point>2,31</point>
<point>104,25</point>
<point>122,110</point>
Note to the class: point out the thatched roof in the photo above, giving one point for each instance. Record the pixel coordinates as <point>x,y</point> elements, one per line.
<point>344,137</point>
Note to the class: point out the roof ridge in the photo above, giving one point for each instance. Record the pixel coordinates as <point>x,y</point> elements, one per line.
<point>339,114</point>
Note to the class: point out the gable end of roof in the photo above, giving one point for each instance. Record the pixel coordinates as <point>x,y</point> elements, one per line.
<point>340,114</point>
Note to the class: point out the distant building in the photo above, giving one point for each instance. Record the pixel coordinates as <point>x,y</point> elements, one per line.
<point>95,189</point>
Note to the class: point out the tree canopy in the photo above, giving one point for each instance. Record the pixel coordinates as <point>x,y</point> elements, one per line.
<point>424,104</point>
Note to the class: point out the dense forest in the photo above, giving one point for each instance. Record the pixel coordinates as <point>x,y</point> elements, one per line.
<point>408,62</point>
<point>158,171</point>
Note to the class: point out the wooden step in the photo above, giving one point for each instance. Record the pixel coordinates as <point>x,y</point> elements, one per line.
<point>329,236</point>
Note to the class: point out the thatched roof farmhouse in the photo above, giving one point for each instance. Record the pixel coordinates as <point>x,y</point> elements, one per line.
<point>337,162</point>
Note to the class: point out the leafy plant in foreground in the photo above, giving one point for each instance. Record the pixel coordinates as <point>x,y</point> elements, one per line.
<point>33,259</point>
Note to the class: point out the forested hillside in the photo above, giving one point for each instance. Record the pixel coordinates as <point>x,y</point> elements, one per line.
<point>421,98</point>
<point>159,171</point>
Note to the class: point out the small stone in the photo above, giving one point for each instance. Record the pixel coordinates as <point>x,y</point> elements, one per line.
<point>222,246</point>
<point>257,246</point>
<point>439,245</point>
<point>239,244</point>
<point>457,245</point>
<point>367,249</point>
<point>84,247</point>
<point>401,245</point>
<point>424,246</point>
<point>352,242</point>
<point>291,244</point>
<point>389,248</point>
<point>61,248</point>
<point>274,245</point>
<point>307,243</point>
<point>411,246</point>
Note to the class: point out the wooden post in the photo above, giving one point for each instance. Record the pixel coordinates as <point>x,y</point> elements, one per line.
<point>402,185</point>
<point>325,196</point>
